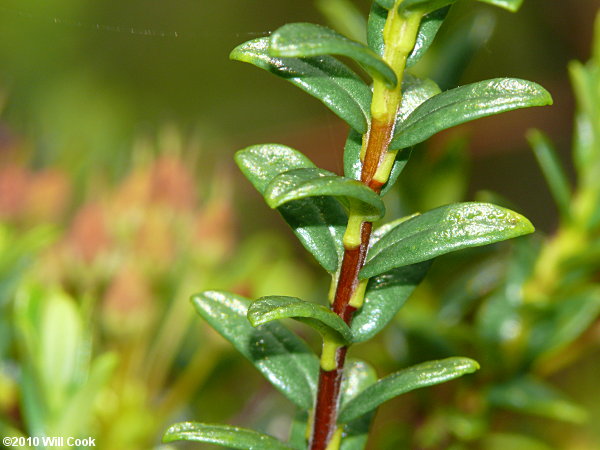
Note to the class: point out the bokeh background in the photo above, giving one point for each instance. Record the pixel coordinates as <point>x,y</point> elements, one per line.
<point>119,198</point>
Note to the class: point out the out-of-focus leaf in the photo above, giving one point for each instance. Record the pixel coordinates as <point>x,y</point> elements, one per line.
<point>511,5</point>
<point>297,438</point>
<point>432,5</point>
<point>319,317</point>
<point>564,321</point>
<point>318,222</point>
<point>385,295</point>
<point>503,441</point>
<point>552,169</point>
<point>281,356</point>
<point>443,230</point>
<point>307,39</point>
<point>345,17</point>
<point>323,77</point>
<point>415,377</point>
<point>467,103</point>
<point>531,396</point>
<point>224,435</point>
<point>299,184</point>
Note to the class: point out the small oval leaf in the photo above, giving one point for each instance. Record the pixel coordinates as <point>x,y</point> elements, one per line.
<point>308,39</point>
<point>318,222</point>
<point>323,77</point>
<point>305,183</point>
<point>415,377</point>
<point>224,435</point>
<point>443,230</point>
<point>321,318</point>
<point>467,103</point>
<point>281,356</point>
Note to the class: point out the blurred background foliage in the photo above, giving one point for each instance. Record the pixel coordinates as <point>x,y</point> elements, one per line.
<point>118,199</point>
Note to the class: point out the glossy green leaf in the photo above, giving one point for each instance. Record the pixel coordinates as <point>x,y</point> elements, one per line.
<point>467,103</point>
<point>415,377</point>
<point>531,396</point>
<point>385,295</point>
<point>318,222</point>
<point>387,4</point>
<point>443,230</point>
<point>415,91</point>
<point>321,318</point>
<point>430,24</point>
<point>306,183</point>
<point>552,169</point>
<point>323,77</point>
<point>282,357</point>
<point>307,39</point>
<point>224,435</point>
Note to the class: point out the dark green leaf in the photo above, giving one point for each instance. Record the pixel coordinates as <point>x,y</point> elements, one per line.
<point>443,230</point>
<point>326,322</point>
<point>305,183</point>
<point>415,377</point>
<point>356,433</point>
<point>385,295</point>
<point>530,396</point>
<point>318,222</point>
<point>377,18</point>
<point>552,169</point>
<point>307,39</point>
<point>224,435</point>
<point>282,357</point>
<point>430,24</point>
<point>323,77</point>
<point>467,103</point>
<point>388,4</point>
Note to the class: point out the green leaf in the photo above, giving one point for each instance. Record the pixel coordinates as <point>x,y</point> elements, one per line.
<point>224,435</point>
<point>318,222</point>
<point>297,438</point>
<point>443,230</point>
<point>425,6</point>
<point>430,24</point>
<point>356,433</point>
<point>323,77</point>
<point>552,169</point>
<point>415,377</point>
<point>415,92</point>
<point>467,103</point>
<point>387,4</point>
<point>531,396</point>
<point>345,17</point>
<point>385,295</point>
<point>307,39</point>
<point>282,357</point>
<point>305,183</point>
<point>321,318</point>
<point>511,5</point>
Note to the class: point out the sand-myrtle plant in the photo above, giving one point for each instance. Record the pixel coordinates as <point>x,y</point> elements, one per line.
<point>374,267</point>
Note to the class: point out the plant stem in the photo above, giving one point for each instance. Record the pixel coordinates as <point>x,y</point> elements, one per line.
<point>399,36</point>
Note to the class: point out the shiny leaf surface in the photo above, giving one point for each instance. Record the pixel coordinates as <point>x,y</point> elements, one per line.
<point>223,435</point>
<point>281,356</point>
<point>307,39</point>
<point>385,295</point>
<point>318,222</point>
<point>305,183</point>
<point>415,377</point>
<point>323,77</point>
<point>467,103</point>
<point>443,230</point>
<point>321,318</point>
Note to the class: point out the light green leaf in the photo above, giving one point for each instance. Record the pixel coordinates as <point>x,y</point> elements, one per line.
<point>552,169</point>
<point>443,230</point>
<point>307,39</point>
<point>321,318</point>
<point>282,357</point>
<point>305,183</point>
<point>415,377</point>
<point>531,396</point>
<point>345,17</point>
<point>425,6</point>
<point>224,435</point>
<point>467,103</point>
<point>318,222</point>
<point>511,5</point>
<point>323,77</point>
<point>385,295</point>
